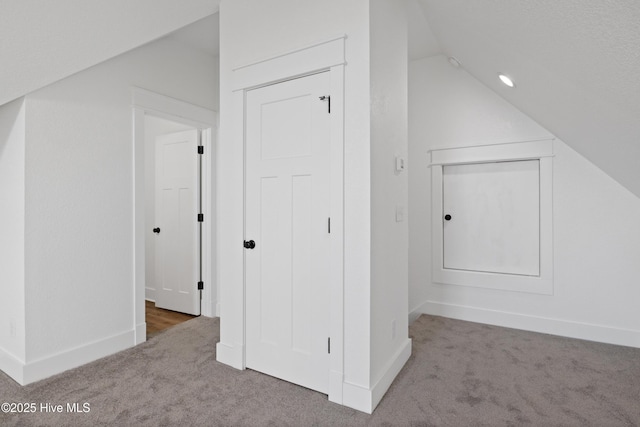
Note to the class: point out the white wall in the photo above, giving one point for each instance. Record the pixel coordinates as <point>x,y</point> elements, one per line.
<point>44,42</point>
<point>12,185</point>
<point>153,127</point>
<point>389,188</point>
<point>596,232</point>
<point>79,201</point>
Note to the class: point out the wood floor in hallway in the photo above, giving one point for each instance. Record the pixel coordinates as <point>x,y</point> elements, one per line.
<point>159,319</point>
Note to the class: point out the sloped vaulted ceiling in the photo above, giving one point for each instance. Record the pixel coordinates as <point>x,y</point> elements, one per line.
<point>44,41</point>
<point>576,65</point>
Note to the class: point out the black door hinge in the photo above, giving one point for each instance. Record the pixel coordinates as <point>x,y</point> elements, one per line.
<point>200,217</point>
<point>329,225</point>
<point>200,285</point>
<point>329,345</point>
<point>328,99</point>
<point>200,149</point>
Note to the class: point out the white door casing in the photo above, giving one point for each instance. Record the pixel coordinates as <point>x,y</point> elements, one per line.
<point>287,210</point>
<point>500,233</point>
<point>177,206</point>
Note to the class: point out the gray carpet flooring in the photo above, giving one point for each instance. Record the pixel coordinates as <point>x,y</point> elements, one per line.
<point>460,374</point>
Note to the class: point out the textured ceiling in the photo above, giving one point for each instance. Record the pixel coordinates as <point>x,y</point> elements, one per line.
<point>576,65</point>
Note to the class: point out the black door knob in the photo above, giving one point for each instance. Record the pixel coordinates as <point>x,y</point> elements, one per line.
<point>447,217</point>
<point>156,230</point>
<point>249,244</point>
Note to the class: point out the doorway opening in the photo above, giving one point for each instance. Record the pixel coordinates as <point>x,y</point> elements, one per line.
<point>174,205</point>
<point>173,252</point>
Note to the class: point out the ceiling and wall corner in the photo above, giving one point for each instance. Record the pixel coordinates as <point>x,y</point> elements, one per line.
<point>43,42</point>
<point>421,41</point>
<point>202,35</point>
<point>574,62</point>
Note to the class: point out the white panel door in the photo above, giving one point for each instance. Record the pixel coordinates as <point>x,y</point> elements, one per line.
<point>491,217</point>
<point>287,212</point>
<point>178,239</point>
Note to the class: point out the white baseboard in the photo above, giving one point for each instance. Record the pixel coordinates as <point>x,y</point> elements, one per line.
<point>414,315</point>
<point>390,372</point>
<point>57,363</point>
<point>150,294</point>
<point>356,397</point>
<point>416,312</point>
<point>230,355</point>
<point>366,400</point>
<point>210,309</point>
<point>11,366</point>
<point>141,333</point>
<point>565,328</point>
<point>335,387</point>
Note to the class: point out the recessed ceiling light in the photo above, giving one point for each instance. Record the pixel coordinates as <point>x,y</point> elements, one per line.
<point>506,80</point>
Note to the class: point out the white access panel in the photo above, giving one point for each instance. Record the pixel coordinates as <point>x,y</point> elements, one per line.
<point>491,217</point>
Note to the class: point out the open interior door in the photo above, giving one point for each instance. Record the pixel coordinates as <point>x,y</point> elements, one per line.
<point>177,227</point>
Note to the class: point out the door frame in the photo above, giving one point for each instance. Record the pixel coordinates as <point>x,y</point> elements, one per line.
<point>326,55</point>
<point>145,102</point>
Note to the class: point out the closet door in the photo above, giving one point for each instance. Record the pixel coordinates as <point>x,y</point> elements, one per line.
<point>287,256</point>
